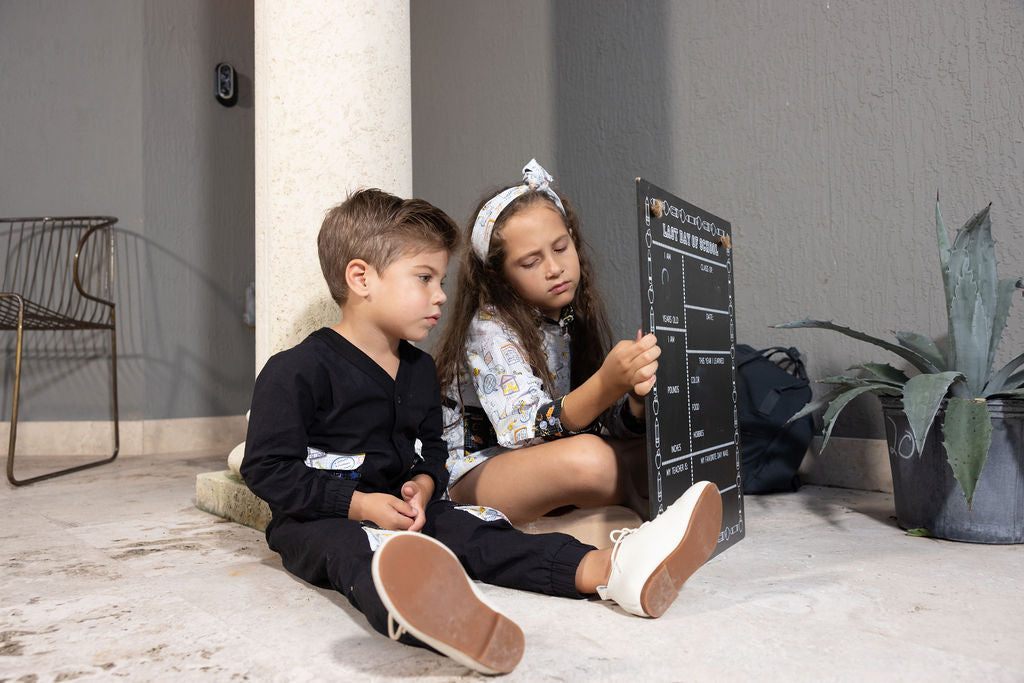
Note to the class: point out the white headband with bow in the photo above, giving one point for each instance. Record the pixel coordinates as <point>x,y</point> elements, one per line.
<point>534,178</point>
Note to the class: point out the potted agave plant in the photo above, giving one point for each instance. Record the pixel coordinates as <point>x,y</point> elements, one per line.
<point>955,427</point>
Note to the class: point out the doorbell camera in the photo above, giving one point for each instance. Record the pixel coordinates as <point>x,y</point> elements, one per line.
<point>226,84</point>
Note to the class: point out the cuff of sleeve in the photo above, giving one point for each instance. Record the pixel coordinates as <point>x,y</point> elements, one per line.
<point>637,425</point>
<point>439,475</point>
<point>565,560</point>
<point>339,497</point>
<point>548,423</point>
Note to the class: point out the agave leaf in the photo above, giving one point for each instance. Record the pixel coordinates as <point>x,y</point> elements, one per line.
<point>974,245</point>
<point>969,334</point>
<point>1003,300</point>
<point>973,302</point>
<point>924,346</point>
<point>848,381</point>
<point>1015,382</point>
<point>884,372</point>
<point>943,238</point>
<point>968,432</point>
<point>1009,393</point>
<point>913,357</point>
<point>815,404</point>
<point>836,406</point>
<point>1003,379</point>
<point>921,400</point>
<point>881,388</point>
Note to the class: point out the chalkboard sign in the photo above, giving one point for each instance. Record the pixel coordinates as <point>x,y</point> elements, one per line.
<point>687,301</point>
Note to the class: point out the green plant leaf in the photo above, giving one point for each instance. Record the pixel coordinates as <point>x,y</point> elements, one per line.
<point>1003,299</point>
<point>974,246</point>
<point>922,397</point>
<point>973,302</point>
<point>884,372</point>
<point>815,404</point>
<point>920,532</point>
<point>1015,382</point>
<point>968,432</point>
<point>850,381</point>
<point>924,346</point>
<point>1009,393</point>
<point>1002,379</point>
<point>879,387</point>
<point>943,239</point>
<point>913,357</point>
<point>836,406</point>
<point>969,332</point>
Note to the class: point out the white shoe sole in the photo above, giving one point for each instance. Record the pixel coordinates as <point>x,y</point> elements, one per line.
<point>425,589</point>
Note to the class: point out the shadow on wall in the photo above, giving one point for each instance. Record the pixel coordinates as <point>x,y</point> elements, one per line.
<point>613,124</point>
<point>164,359</point>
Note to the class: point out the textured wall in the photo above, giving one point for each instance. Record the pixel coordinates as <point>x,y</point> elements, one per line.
<point>823,130</point>
<point>332,115</point>
<point>199,209</point>
<point>483,94</point>
<point>108,108</point>
<point>820,130</point>
<point>65,150</point>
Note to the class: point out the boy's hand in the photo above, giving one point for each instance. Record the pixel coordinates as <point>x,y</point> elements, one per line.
<point>384,510</point>
<point>631,364</point>
<point>417,492</point>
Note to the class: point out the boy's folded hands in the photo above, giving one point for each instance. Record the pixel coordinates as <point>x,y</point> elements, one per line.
<point>389,512</point>
<point>416,492</point>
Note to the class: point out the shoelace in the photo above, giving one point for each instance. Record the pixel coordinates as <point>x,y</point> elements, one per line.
<point>619,535</point>
<point>395,630</point>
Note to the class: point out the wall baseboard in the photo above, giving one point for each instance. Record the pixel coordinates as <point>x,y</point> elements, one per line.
<point>848,463</point>
<point>138,437</point>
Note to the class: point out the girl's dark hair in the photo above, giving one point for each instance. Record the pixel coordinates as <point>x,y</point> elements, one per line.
<point>483,283</point>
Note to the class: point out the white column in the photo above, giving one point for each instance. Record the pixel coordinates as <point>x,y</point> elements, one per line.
<point>333,113</point>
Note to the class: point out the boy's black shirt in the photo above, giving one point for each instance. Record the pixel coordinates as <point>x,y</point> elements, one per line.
<point>327,394</point>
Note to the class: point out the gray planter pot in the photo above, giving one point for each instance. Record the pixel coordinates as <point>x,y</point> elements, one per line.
<point>927,495</point>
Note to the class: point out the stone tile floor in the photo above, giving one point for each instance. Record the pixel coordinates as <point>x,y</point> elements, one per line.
<point>113,573</point>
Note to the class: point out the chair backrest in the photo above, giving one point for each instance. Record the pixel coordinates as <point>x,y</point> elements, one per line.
<point>62,264</point>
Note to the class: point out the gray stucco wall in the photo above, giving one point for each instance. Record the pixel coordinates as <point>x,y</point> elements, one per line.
<point>108,108</point>
<point>820,130</point>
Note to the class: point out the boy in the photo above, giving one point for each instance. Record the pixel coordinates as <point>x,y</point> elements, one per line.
<point>345,445</point>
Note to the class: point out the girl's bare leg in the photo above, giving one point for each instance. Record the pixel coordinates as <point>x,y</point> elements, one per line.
<point>632,459</point>
<point>583,470</point>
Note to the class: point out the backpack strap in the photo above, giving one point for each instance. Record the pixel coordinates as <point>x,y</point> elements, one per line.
<point>793,363</point>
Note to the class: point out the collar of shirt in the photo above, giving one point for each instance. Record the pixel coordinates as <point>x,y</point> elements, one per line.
<point>565,317</point>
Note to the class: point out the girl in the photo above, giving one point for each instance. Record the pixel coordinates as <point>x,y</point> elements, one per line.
<point>524,367</point>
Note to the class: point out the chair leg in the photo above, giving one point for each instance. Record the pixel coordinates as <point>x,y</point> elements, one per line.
<point>14,416</point>
<point>14,400</point>
<point>113,385</point>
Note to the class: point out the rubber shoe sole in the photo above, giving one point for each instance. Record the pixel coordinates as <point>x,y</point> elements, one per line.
<point>425,589</point>
<point>699,541</point>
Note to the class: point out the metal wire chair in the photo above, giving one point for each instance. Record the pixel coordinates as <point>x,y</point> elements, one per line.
<point>49,282</point>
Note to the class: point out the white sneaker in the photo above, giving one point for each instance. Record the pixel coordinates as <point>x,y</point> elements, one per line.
<point>428,595</point>
<point>652,562</point>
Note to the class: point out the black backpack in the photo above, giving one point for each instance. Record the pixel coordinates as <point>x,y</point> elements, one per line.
<point>770,392</point>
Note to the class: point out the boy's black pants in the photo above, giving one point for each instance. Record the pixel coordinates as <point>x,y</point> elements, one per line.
<point>335,553</point>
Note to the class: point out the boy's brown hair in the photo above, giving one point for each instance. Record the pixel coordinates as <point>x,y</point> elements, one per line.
<point>378,227</point>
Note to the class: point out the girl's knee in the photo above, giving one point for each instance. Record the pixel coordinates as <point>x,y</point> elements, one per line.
<point>590,444</point>
<point>591,465</point>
